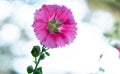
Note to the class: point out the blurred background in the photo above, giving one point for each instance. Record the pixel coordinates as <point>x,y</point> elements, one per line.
<point>92,52</point>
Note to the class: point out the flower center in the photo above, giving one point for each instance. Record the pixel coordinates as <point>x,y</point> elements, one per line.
<point>53,26</point>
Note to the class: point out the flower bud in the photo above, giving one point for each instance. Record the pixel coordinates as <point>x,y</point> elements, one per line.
<point>37,72</point>
<point>30,69</point>
<point>35,51</point>
<point>40,69</point>
<point>42,56</point>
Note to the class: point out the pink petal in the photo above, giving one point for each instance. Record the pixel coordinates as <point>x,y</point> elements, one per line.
<point>50,10</point>
<point>59,40</point>
<point>63,14</point>
<point>42,34</point>
<point>49,41</point>
<point>68,34</point>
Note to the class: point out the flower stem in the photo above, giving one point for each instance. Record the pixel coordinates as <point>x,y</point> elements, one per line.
<point>37,61</point>
<point>39,54</point>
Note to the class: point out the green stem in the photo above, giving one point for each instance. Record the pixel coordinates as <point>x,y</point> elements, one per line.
<point>37,63</point>
<point>39,59</point>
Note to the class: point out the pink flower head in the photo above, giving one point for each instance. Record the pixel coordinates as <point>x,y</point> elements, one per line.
<point>118,48</point>
<point>54,26</point>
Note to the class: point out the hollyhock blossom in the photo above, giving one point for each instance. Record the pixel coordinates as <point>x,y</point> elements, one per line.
<point>54,26</point>
<point>118,48</point>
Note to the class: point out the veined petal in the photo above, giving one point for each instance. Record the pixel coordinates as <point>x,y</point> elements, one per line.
<point>49,41</point>
<point>59,40</point>
<point>50,10</point>
<point>63,14</point>
<point>68,34</point>
<point>41,34</point>
<point>39,15</point>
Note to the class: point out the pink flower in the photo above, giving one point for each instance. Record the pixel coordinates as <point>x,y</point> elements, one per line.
<point>54,26</point>
<point>118,48</point>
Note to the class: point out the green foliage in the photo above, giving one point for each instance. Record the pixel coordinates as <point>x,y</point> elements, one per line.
<point>112,6</point>
<point>114,33</point>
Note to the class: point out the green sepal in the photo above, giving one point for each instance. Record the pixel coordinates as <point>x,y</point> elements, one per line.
<point>47,53</point>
